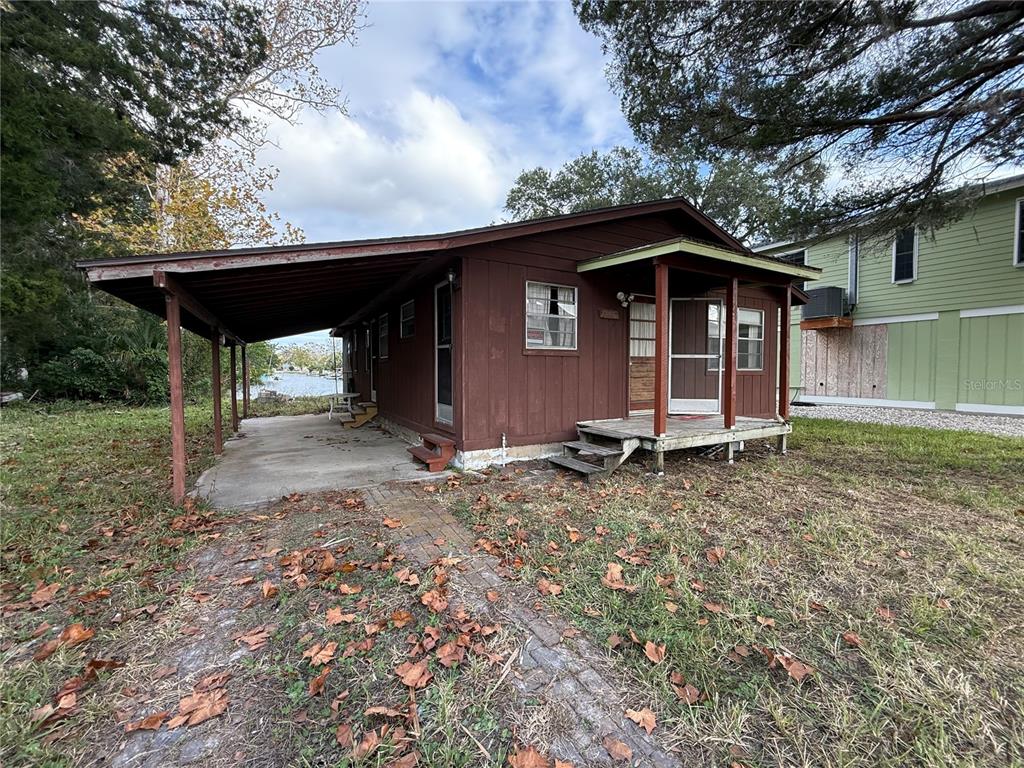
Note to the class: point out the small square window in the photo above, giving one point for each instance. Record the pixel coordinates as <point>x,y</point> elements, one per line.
<point>550,316</point>
<point>407,320</point>
<point>904,256</point>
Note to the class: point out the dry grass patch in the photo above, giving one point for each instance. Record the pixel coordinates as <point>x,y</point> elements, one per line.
<point>856,603</point>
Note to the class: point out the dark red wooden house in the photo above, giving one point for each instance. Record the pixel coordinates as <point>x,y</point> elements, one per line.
<point>588,335</point>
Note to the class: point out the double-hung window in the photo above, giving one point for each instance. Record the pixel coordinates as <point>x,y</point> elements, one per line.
<point>904,256</point>
<point>749,342</point>
<point>382,331</point>
<point>407,320</point>
<point>550,316</point>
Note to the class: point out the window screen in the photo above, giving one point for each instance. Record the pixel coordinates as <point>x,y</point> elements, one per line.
<point>550,316</point>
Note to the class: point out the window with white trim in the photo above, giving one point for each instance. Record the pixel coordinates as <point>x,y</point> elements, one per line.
<point>1018,235</point>
<point>550,316</point>
<point>407,320</point>
<point>904,256</point>
<point>749,340</point>
<point>382,336</point>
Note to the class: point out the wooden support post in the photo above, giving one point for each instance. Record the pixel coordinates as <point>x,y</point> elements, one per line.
<point>218,427</point>
<point>659,462</point>
<point>660,349</point>
<point>245,384</point>
<point>173,315</point>
<point>729,367</point>
<point>787,305</point>
<point>234,391</point>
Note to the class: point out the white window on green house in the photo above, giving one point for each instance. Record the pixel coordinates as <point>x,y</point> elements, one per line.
<point>1018,235</point>
<point>904,256</point>
<point>407,320</point>
<point>550,316</point>
<point>750,344</point>
<point>382,330</point>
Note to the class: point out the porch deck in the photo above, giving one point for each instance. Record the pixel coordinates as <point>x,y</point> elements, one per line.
<point>688,431</point>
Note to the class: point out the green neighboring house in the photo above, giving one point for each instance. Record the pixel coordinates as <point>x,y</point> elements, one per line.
<point>916,320</point>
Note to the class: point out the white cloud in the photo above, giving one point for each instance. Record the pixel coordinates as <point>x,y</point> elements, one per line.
<point>447,103</point>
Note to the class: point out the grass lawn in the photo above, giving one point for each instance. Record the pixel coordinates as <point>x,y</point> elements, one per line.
<point>168,601</point>
<point>855,603</point>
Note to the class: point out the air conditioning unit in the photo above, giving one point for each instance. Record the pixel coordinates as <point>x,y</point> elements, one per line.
<point>826,302</point>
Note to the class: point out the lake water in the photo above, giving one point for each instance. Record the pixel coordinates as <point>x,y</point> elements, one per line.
<point>294,384</point>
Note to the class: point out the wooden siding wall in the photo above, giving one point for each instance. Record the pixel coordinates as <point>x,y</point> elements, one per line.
<point>405,380</point>
<point>756,390</point>
<point>845,362</point>
<point>536,396</point>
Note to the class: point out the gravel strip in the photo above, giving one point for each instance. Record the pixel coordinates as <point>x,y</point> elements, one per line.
<point>1002,426</point>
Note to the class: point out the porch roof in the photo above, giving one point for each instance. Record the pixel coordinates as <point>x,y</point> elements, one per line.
<point>708,255</point>
<point>253,294</point>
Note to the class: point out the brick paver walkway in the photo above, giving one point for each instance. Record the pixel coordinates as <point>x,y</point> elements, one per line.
<point>567,672</point>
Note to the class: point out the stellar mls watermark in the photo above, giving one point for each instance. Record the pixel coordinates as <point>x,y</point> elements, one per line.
<point>993,385</point>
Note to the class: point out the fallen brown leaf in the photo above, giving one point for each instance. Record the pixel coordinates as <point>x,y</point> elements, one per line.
<point>645,718</point>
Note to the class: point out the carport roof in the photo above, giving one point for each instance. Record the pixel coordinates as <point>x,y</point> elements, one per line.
<point>254,294</point>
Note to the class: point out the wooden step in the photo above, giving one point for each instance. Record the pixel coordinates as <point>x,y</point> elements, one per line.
<point>590,471</point>
<point>434,462</point>
<point>594,448</point>
<point>344,417</point>
<point>611,434</point>
<point>439,440</point>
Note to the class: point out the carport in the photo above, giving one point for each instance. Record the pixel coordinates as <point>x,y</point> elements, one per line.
<point>237,297</point>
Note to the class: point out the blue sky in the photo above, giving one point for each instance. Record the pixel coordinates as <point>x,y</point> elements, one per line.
<point>447,103</point>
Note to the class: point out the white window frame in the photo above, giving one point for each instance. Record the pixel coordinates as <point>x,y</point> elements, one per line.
<point>803,262</point>
<point>1017,258</point>
<point>760,313</point>
<point>913,277</point>
<point>721,339</point>
<point>853,267</point>
<point>526,317</point>
<point>402,319</point>
<point>382,337</point>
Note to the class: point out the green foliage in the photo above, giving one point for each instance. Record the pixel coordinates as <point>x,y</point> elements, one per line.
<point>905,97</point>
<point>87,85</point>
<point>749,201</point>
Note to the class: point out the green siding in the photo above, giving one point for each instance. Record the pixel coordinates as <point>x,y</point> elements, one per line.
<point>947,359</point>
<point>910,366</point>
<point>965,265</point>
<point>991,367</point>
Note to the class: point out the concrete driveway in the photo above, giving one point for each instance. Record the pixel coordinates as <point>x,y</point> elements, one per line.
<point>275,456</point>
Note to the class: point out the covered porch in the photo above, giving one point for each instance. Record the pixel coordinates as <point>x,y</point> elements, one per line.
<point>711,383</point>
